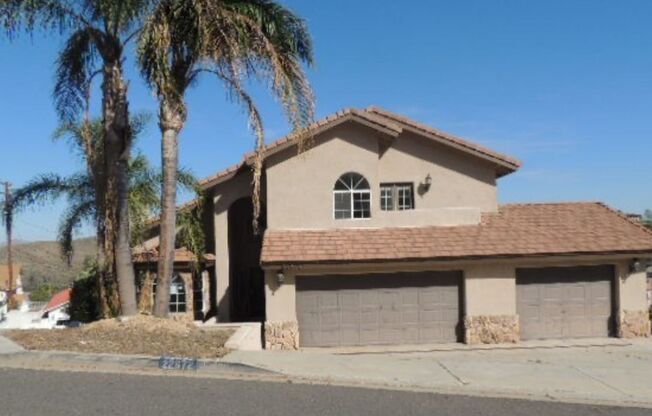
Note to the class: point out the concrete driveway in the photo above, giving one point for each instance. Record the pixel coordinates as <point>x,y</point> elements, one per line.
<point>607,371</point>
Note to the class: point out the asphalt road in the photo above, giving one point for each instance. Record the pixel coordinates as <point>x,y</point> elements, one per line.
<point>53,393</point>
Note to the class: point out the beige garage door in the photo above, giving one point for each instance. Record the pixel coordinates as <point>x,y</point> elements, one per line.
<point>564,302</point>
<point>393,308</point>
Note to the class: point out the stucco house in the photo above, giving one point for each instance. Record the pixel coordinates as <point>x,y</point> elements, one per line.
<point>383,230</point>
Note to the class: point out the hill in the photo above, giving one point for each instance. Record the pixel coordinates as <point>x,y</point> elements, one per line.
<point>42,261</point>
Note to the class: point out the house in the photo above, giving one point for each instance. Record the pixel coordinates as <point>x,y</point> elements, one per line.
<point>56,310</point>
<point>383,230</point>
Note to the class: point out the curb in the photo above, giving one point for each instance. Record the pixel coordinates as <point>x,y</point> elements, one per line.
<point>139,362</point>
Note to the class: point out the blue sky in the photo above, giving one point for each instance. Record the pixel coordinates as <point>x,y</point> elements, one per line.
<point>566,86</point>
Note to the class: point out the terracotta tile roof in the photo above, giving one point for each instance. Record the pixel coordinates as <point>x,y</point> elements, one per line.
<point>386,121</point>
<point>181,255</point>
<point>514,231</point>
<point>58,299</point>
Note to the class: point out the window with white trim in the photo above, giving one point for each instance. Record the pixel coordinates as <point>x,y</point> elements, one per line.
<point>177,295</point>
<point>351,197</point>
<point>396,196</point>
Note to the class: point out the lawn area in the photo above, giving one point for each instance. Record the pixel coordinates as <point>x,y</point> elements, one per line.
<point>142,334</point>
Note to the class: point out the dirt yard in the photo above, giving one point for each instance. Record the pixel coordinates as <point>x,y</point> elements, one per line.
<point>142,334</point>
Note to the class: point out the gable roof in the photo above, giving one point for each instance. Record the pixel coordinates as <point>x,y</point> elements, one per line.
<point>58,300</point>
<point>385,122</point>
<point>517,230</point>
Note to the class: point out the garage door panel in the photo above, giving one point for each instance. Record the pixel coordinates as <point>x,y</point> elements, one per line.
<point>379,309</point>
<point>565,302</point>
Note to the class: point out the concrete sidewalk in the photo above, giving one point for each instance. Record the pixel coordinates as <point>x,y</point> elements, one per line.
<point>615,373</point>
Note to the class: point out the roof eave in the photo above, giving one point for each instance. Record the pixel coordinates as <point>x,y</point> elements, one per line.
<point>623,253</point>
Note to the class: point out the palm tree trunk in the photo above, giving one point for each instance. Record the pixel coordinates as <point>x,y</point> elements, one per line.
<point>117,136</point>
<point>171,122</point>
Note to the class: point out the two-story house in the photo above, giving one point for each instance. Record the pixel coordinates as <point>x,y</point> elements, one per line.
<point>388,231</point>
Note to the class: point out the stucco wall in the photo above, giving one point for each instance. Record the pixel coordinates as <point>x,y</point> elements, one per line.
<point>280,299</point>
<point>490,289</point>
<point>224,195</point>
<point>631,289</point>
<point>300,187</point>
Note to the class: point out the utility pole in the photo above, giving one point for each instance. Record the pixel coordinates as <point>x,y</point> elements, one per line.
<point>8,227</point>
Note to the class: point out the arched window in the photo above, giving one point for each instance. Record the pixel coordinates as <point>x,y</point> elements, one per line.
<point>352,197</point>
<point>177,294</point>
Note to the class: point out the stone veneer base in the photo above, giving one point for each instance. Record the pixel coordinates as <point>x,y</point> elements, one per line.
<point>634,324</point>
<point>491,329</point>
<point>281,335</point>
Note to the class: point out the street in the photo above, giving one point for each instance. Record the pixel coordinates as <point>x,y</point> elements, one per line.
<point>54,393</point>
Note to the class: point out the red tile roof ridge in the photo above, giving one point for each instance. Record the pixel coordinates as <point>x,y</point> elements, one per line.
<point>385,119</point>
<point>453,138</point>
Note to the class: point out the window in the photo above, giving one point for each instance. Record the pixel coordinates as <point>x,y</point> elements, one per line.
<point>177,295</point>
<point>396,196</point>
<point>352,197</point>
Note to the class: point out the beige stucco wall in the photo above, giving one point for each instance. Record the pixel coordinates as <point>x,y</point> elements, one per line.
<point>490,289</point>
<point>280,299</point>
<point>300,187</point>
<point>631,289</point>
<point>224,195</point>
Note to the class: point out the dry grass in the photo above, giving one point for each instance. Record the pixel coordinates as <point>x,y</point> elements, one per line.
<point>142,334</point>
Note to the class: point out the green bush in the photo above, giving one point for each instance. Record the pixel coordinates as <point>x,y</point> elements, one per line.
<point>84,305</point>
<point>43,292</point>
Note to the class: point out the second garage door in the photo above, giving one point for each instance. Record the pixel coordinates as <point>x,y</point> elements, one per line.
<point>396,308</point>
<point>564,302</point>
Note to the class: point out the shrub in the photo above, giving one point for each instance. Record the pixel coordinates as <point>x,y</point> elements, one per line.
<point>43,292</point>
<point>84,305</point>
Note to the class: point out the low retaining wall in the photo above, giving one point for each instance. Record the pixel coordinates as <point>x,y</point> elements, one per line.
<point>491,329</point>
<point>281,335</point>
<point>634,324</point>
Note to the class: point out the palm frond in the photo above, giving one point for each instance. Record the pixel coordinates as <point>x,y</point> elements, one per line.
<point>75,68</point>
<point>46,188</point>
<point>74,218</point>
<point>29,15</point>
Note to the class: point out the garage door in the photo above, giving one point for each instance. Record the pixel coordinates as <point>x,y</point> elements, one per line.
<point>564,302</point>
<point>396,308</point>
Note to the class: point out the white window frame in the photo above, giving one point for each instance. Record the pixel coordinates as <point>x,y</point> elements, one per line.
<point>352,192</point>
<point>395,188</point>
<point>174,306</point>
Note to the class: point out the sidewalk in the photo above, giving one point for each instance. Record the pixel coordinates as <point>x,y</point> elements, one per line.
<point>617,373</point>
<point>607,371</point>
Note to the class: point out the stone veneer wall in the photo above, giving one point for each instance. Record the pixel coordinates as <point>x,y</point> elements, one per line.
<point>634,324</point>
<point>491,329</point>
<point>281,335</point>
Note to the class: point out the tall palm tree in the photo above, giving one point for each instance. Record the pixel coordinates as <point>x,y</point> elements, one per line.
<point>98,33</point>
<point>84,204</point>
<point>231,40</point>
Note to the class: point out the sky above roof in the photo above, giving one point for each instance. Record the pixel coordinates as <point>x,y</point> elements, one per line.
<point>565,86</point>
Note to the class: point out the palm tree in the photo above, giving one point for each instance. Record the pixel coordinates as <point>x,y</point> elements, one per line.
<point>99,32</point>
<point>84,204</point>
<point>231,40</point>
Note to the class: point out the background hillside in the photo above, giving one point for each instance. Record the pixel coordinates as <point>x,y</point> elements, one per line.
<point>42,261</point>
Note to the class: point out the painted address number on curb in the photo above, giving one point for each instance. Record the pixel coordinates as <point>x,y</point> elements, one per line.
<point>178,363</point>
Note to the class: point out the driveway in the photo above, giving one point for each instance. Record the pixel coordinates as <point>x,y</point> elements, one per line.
<point>615,373</point>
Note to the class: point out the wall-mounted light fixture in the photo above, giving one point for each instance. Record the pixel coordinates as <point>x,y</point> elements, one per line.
<point>636,265</point>
<point>280,277</point>
<point>427,182</point>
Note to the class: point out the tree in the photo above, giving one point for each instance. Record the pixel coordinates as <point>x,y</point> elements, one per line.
<point>85,205</point>
<point>232,40</point>
<point>99,32</point>
<point>647,218</point>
